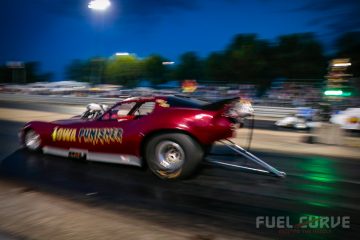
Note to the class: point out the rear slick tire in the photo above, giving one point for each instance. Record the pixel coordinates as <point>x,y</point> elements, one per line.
<point>173,155</point>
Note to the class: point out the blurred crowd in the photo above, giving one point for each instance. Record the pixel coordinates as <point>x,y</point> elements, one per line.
<point>293,94</point>
<point>288,94</point>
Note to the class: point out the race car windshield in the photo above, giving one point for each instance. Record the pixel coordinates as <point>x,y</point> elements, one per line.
<point>119,110</point>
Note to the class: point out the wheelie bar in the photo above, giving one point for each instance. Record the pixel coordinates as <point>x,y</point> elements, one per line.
<point>241,151</point>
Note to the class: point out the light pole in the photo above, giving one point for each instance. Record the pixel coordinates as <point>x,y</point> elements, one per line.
<point>99,6</point>
<point>17,68</point>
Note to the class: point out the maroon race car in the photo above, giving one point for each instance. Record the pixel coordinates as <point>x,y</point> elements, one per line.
<point>169,134</point>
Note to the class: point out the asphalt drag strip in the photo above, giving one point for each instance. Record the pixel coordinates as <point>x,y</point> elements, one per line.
<point>220,202</point>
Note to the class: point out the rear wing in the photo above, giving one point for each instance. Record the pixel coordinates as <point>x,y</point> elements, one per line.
<point>223,104</point>
<point>184,101</point>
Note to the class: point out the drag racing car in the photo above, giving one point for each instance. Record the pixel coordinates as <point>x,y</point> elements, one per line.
<point>303,119</point>
<point>292,121</point>
<point>170,135</point>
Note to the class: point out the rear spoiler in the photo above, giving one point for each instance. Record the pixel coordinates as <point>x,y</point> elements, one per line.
<point>219,105</point>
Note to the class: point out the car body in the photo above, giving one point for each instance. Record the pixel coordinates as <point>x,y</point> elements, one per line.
<point>301,120</point>
<point>169,134</point>
<point>292,122</point>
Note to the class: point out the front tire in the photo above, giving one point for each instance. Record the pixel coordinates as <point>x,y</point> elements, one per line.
<point>32,140</point>
<point>173,155</point>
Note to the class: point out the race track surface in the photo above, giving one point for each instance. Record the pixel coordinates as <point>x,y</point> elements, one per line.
<point>218,199</point>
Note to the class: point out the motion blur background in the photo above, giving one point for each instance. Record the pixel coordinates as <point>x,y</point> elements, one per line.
<point>297,62</point>
<point>273,51</point>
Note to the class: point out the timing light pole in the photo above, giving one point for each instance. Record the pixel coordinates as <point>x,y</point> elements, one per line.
<point>99,6</point>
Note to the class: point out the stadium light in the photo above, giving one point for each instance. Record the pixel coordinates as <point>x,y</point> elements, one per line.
<point>342,64</point>
<point>99,5</point>
<point>333,92</point>
<point>168,63</point>
<point>339,93</point>
<point>122,54</point>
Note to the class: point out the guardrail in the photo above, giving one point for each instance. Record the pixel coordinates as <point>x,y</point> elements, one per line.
<point>262,111</point>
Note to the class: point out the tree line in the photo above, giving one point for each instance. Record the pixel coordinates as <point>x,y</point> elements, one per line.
<point>247,59</point>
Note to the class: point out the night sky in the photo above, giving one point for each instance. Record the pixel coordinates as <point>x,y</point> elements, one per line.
<point>55,32</point>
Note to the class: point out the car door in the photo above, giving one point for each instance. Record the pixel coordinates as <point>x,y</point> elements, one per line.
<point>109,133</point>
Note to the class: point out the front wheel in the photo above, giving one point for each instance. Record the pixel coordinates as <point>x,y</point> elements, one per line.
<point>173,155</point>
<point>32,140</point>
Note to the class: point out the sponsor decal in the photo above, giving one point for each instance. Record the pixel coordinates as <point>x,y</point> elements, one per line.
<point>88,135</point>
<point>100,135</point>
<point>64,134</point>
<point>77,155</point>
<point>162,103</point>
